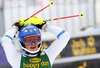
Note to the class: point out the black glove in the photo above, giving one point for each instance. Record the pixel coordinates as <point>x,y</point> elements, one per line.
<point>40,26</point>
<point>37,21</point>
<point>17,25</point>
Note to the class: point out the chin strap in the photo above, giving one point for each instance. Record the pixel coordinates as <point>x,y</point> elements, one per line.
<point>27,53</point>
<point>31,51</point>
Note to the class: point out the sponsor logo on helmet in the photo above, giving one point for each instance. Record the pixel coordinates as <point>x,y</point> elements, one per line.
<point>25,31</point>
<point>30,30</point>
<point>34,29</point>
<point>35,60</point>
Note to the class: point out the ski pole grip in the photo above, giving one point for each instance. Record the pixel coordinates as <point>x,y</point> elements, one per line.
<point>51,3</point>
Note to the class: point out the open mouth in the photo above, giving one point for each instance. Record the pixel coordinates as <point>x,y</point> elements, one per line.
<point>32,47</point>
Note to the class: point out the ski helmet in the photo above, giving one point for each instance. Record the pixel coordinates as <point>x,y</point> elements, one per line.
<point>32,31</point>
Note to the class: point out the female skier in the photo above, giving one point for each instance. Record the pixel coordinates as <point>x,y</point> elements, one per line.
<point>30,39</point>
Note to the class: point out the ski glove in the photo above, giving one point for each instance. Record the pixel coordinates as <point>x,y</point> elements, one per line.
<point>37,21</point>
<point>20,23</point>
<point>17,25</point>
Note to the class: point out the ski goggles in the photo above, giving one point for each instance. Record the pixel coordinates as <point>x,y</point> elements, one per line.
<point>27,40</point>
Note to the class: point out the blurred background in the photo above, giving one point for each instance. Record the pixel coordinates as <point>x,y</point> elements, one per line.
<point>83,49</point>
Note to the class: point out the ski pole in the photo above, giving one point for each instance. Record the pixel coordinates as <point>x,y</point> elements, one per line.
<point>80,15</point>
<point>50,4</point>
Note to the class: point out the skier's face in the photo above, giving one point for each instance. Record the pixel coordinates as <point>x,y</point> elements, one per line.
<point>32,47</point>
